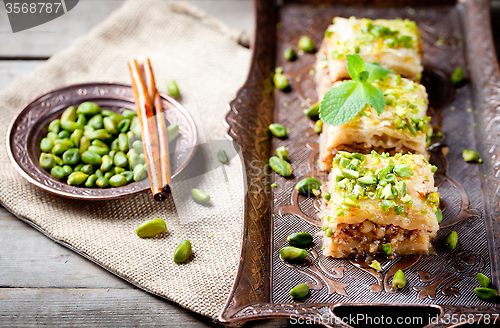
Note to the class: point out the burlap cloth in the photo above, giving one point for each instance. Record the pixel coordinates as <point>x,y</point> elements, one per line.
<point>201,54</point>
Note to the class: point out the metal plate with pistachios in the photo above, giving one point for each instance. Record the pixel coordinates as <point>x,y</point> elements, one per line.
<point>30,125</point>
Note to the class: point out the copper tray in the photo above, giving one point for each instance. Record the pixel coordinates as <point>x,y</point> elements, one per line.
<point>30,125</point>
<point>454,34</point>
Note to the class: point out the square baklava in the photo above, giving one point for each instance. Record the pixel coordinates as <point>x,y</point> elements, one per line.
<point>372,203</point>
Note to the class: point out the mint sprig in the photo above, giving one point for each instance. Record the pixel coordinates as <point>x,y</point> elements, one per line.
<point>343,102</point>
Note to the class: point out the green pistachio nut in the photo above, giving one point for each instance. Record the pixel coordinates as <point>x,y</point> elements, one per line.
<point>106,163</point>
<point>222,156</point>
<point>87,169</point>
<point>138,132</point>
<point>60,148</point>
<point>100,134</point>
<point>88,108</point>
<point>137,146</point>
<point>313,111</point>
<point>55,126</point>
<point>71,156</point>
<point>114,145</point>
<point>77,178</point>
<point>139,172</point>
<point>96,122</point>
<point>63,135</point>
<point>300,239</point>
<point>387,248</point>
<point>172,89</point>
<point>282,153</point>
<point>76,137</point>
<point>451,240</point>
<point>52,136</point>
<point>485,293</point>
<point>399,280</point>
<point>71,126</point>
<point>123,142</point>
<point>182,252</point>
<point>299,291</point>
<point>92,158</point>
<point>471,156</point>
<point>101,151</point>
<point>91,181</point>
<point>439,215</point>
<point>57,172</point>
<point>306,44</point>
<point>172,132</point>
<point>200,197</point>
<point>280,166</point>
<point>293,254</point>
<point>67,170</point>
<point>457,77</point>
<point>84,144</point>
<point>280,81</point>
<point>69,115</point>
<point>307,185</point>
<point>289,54</point>
<point>78,167</point>
<point>110,125</point>
<point>483,280</point>
<point>102,182</point>
<point>278,130</point>
<point>46,145</point>
<point>151,228</point>
<point>318,126</point>
<point>119,170</point>
<point>120,159</point>
<point>128,113</point>
<point>129,175</point>
<point>124,125</point>
<point>118,180</point>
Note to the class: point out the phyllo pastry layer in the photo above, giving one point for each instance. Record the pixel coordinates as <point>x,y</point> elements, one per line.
<point>374,200</point>
<point>395,44</point>
<point>401,128</point>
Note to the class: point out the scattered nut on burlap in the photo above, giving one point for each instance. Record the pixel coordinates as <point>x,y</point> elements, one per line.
<point>204,58</point>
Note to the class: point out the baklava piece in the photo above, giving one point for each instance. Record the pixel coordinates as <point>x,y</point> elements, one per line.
<point>377,204</point>
<point>402,127</point>
<point>395,44</point>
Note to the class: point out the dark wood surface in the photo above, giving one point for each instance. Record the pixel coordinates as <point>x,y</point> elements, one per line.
<point>43,283</point>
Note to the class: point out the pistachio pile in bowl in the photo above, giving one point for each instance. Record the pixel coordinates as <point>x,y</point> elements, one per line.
<point>91,147</point>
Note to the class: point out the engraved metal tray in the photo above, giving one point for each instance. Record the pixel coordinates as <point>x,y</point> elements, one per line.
<point>454,34</point>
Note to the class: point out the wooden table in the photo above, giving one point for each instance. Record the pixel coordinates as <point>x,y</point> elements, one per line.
<point>41,282</point>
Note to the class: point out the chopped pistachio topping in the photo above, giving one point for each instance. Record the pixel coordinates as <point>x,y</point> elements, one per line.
<point>383,179</point>
<point>403,170</point>
<point>387,248</point>
<point>370,37</point>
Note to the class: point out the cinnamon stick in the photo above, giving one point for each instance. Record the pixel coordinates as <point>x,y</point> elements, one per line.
<point>162,127</point>
<point>147,120</point>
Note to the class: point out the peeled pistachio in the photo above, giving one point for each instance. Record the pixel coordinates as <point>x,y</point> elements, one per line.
<point>151,228</point>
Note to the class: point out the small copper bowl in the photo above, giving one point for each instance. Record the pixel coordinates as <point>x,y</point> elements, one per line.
<point>30,125</point>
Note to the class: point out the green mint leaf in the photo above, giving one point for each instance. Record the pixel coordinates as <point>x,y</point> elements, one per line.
<point>376,71</point>
<point>342,103</point>
<point>374,97</point>
<point>355,65</point>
